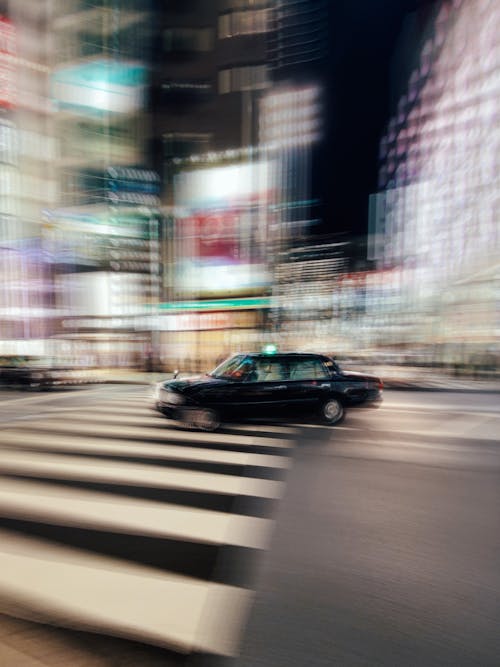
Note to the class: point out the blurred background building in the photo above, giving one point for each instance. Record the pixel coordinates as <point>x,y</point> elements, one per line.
<point>166,177</point>
<point>103,233</point>
<point>209,73</point>
<point>434,222</point>
<point>27,180</point>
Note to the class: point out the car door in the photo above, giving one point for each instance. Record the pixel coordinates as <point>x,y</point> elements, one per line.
<point>256,392</point>
<point>264,394</point>
<point>309,384</point>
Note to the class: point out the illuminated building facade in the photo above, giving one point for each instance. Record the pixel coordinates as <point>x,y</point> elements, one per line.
<point>220,282</point>
<point>27,181</point>
<point>307,304</point>
<point>103,234</point>
<point>434,222</point>
<point>292,135</point>
<point>209,72</point>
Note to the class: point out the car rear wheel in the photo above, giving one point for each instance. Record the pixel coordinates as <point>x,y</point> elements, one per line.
<point>332,411</point>
<point>205,419</point>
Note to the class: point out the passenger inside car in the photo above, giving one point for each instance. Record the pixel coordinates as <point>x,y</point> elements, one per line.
<point>271,370</point>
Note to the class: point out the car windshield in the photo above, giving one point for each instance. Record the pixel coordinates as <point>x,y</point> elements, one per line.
<point>233,368</point>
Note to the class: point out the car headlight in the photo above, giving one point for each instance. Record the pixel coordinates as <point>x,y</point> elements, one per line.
<point>156,390</point>
<point>171,397</point>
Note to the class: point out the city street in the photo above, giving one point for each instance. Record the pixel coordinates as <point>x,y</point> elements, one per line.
<point>388,541</point>
<point>375,542</point>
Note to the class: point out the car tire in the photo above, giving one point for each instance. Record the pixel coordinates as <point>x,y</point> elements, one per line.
<point>332,411</point>
<point>205,419</point>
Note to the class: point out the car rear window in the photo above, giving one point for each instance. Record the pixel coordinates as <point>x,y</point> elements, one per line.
<point>308,369</point>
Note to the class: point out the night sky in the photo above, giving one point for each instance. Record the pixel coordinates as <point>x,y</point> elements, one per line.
<point>363,35</point>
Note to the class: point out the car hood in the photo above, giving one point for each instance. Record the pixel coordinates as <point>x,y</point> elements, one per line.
<point>192,383</point>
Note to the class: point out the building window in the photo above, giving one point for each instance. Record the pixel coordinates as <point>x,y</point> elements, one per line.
<point>184,144</point>
<point>250,22</point>
<point>185,92</point>
<point>251,77</point>
<point>230,5</point>
<point>187,40</point>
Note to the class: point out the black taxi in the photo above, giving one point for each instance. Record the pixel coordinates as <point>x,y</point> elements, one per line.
<point>263,386</point>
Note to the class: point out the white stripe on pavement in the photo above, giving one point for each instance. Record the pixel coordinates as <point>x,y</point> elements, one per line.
<point>147,419</point>
<point>54,425</point>
<point>78,589</point>
<point>144,412</point>
<point>150,411</point>
<point>118,472</point>
<point>98,446</point>
<point>118,411</point>
<point>40,398</point>
<point>35,501</point>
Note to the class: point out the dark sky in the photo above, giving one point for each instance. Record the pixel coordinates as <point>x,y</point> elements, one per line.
<point>363,35</point>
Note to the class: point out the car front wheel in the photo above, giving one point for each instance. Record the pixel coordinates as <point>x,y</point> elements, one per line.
<point>204,419</point>
<point>332,411</point>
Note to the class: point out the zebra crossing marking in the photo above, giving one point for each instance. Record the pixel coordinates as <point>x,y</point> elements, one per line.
<point>73,467</point>
<point>48,503</point>
<point>114,590</point>
<point>13,439</point>
<point>102,594</point>
<point>54,425</point>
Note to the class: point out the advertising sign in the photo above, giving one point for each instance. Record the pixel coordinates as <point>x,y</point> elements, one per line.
<point>100,86</point>
<point>221,230</point>
<point>7,68</point>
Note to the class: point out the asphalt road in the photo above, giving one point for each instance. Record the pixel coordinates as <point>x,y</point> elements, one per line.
<point>385,550</point>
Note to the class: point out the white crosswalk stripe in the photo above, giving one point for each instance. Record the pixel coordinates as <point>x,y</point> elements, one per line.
<point>54,425</point>
<point>86,508</point>
<point>73,467</point>
<point>98,447</point>
<point>131,601</point>
<point>113,520</point>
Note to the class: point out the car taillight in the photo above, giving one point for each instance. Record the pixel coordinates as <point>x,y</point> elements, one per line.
<point>380,384</point>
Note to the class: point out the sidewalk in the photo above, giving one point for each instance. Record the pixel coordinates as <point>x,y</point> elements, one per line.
<point>399,378</point>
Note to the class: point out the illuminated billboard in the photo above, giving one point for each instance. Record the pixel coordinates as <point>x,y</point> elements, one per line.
<point>436,216</point>
<point>8,73</point>
<point>291,117</point>
<point>100,86</point>
<point>220,229</point>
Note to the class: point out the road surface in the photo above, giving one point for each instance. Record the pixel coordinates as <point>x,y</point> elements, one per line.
<point>385,547</point>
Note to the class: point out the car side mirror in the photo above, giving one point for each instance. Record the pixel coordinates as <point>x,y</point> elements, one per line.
<point>176,373</point>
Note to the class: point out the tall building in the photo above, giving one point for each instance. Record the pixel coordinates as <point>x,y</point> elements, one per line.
<point>210,67</point>
<point>210,70</point>
<point>434,222</point>
<point>27,180</point>
<point>294,112</point>
<point>103,232</point>
<point>298,42</point>
<point>293,135</point>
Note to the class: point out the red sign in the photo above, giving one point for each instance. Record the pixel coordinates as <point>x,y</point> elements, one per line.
<point>212,235</point>
<point>7,63</point>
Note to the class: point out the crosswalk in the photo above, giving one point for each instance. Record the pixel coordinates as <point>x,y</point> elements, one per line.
<point>116,521</point>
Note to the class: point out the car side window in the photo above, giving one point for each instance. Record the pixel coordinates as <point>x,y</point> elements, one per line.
<point>308,369</point>
<point>271,370</point>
